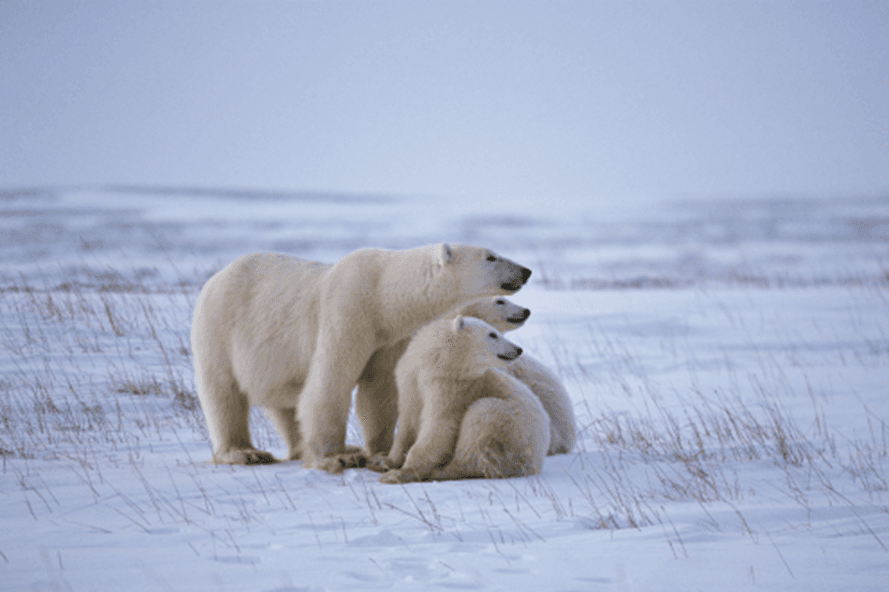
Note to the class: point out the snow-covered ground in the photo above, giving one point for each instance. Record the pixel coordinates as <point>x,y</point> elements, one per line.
<point>728,363</point>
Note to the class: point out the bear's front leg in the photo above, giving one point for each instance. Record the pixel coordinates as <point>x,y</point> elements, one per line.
<point>404,439</point>
<point>324,405</point>
<point>434,448</point>
<point>402,476</point>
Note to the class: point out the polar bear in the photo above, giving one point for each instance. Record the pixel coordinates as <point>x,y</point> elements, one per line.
<point>376,401</point>
<point>503,434</point>
<point>294,336</point>
<point>450,366</point>
<point>504,316</point>
<point>547,387</point>
<point>540,379</point>
<point>501,313</point>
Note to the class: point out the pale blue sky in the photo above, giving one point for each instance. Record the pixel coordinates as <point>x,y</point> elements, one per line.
<point>520,101</point>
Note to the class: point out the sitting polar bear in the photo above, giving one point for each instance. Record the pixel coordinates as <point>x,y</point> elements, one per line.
<point>503,434</point>
<point>533,374</point>
<point>459,414</point>
<point>377,400</point>
<point>503,315</point>
<point>548,388</point>
<point>295,336</point>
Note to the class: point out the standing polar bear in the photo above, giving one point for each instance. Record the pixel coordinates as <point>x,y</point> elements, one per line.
<point>294,336</point>
<point>459,414</point>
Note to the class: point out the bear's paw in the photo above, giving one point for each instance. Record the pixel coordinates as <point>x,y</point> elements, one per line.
<point>244,456</point>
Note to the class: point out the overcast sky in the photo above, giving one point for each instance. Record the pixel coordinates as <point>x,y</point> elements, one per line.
<point>469,100</point>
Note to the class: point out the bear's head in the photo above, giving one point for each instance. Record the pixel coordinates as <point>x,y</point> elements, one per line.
<point>498,312</point>
<point>476,270</point>
<point>473,347</point>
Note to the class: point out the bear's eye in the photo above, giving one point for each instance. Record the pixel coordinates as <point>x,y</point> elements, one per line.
<point>492,258</point>
<point>500,303</point>
<point>492,335</point>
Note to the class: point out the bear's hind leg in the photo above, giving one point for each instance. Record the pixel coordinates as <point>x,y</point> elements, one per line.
<point>376,402</point>
<point>284,420</point>
<point>376,405</point>
<point>227,411</point>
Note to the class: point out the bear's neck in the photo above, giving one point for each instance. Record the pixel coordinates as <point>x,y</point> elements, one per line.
<point>416,292</point>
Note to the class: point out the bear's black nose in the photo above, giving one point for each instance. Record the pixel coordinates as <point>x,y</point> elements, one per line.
<point>526,273</point>
<point>518,352</point>
<point>526,313</point>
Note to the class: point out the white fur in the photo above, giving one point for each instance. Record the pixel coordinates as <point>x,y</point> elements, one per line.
<point>449,366</point>
<point>497,311</point>
<point>505,433</point>
<point>549,390</point>
<point>506,316</point>
<point>377,399</point>
<point>294,336</point>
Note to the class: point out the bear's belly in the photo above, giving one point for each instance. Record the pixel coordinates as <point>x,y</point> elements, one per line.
<point>277,395</point>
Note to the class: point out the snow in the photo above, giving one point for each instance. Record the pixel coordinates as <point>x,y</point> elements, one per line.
<point>727,362</point>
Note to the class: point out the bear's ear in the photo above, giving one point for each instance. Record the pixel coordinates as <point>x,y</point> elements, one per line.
<point>445,254</point>
<point>458,324</point>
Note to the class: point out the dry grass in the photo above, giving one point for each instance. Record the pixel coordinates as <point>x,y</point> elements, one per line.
<point>72,350</point>
<point>99,375</point>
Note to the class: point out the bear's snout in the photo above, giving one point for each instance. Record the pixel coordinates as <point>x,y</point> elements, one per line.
<point>511,356</point>
<point>518,281</point>
<point>521,318</point>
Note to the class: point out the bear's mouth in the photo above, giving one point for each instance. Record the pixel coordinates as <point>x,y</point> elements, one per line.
<point>516,320</point>
<point>507,358</point>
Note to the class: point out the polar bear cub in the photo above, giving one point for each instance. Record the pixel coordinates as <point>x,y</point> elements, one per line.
<point>503,434</point>
<point>552,394</point>
<point>376,401</point>
<point>449,367</point>
<point>497,311</point>
<point>505,316</point>
<point>294,337</point>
